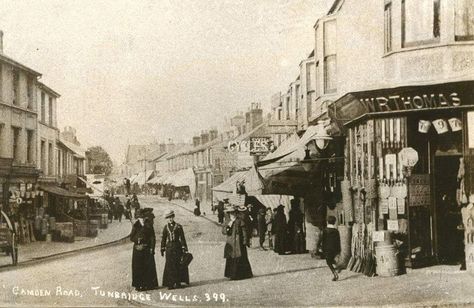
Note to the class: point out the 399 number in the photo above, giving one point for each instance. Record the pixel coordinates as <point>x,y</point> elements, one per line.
<point>216,297</point>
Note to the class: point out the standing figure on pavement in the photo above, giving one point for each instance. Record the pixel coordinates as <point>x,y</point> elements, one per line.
<point>244,215</point>
<point>197,207</point>
<point>220,212</point>
<point>118,209</point>
<point>295,228</point>
<point>237,265</point>
<point>331,244</point>
<point>280,229</point>
<point>262,226</point>
<point>173,243</point>
<point>269,223</point>
<point>143,258</point>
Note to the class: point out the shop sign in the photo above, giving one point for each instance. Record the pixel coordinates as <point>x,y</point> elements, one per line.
<point>419,192</point>
<point>415,102</point>
<point>408,157</point>
<point>254,146</point>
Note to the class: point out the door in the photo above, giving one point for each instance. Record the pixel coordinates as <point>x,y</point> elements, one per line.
<point>448,238</point>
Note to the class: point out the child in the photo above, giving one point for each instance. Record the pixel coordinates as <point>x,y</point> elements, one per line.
<point>331,244</point>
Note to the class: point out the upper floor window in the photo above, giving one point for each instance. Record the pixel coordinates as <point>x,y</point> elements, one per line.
<point>43,107</point>
<point>388,27</point>
<point>29,92</point>
<point>15,144</point>
<point>420,22</point>
<point>317,79</point>
<point>310,81</point>
<point>30,143</point>
<point>464,20</point>
<point>288,107</point>
<point>330,63</point>
<point>50,111</point>
<point>15,85</point>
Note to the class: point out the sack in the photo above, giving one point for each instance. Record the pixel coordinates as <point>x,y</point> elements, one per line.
<point>186,259</point>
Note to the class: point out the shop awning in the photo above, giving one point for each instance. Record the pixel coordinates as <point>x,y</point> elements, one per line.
<point>251,179</point>
<point>142,177</point>
<point>56,190</point>
<point>155,179</point>
<point>184,177</point>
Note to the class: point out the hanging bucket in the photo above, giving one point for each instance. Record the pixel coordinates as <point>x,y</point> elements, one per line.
<point>387,260</point>
<point>469,249</point>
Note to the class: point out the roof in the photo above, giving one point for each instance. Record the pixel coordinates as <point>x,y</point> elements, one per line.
<point>48,89</point>
<point>136,152</point>
<point>78,151</point>
<point>258,131</point>
<point>335,7</point>
<point>61,191</point>
<point>18,65</point>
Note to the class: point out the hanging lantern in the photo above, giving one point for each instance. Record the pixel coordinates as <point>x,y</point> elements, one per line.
<point>441,126</point>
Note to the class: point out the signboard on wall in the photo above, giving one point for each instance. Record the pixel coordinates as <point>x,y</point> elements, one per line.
<point>254,146</point>
<point>419,192</point>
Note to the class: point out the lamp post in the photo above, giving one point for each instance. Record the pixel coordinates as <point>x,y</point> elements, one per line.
<point>317,144</point>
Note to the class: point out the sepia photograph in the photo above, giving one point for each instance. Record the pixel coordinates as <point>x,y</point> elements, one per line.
<point>236,153</point>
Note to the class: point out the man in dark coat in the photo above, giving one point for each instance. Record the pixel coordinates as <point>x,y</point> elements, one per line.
<point>262,226</point>
<point>143,258</point>
<point>220,212</point>
<point>174,244</point>
<point>237,265</point>
<point>279,229</point>
<point>331,244</point>
<point>295,228</point>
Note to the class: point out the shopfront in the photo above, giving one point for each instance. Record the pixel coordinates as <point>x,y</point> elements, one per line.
<point>409,166</point>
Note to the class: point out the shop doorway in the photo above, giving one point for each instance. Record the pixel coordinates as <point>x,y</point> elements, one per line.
<point>448,238</point>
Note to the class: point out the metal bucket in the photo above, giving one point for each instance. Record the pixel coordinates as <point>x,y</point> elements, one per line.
<point>387,260</point>
<point>469,249</point>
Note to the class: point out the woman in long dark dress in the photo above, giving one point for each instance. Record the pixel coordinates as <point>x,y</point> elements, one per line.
<point>237,265</point>
<point>143,258</point>
<point>295,229</point>
<point>280,230</point>
<point>173,243</point>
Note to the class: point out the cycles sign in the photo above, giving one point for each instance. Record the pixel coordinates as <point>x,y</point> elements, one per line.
<point>254,146</point>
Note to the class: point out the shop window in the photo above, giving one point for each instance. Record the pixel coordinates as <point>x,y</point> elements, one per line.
<point>388,27</point>
<point>43,107</point>
<point>330,63</point>
<point>16,84</point>
<point>420,22</point>
<point>464,20</point>
<point>29,146</point>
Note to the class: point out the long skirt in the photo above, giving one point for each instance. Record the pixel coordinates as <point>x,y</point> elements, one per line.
<point>174,272</point>
<point>280,245</point>
<point>238,268</point>
<point>144,270</point>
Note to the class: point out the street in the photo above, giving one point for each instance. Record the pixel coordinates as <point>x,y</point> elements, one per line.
<point>103,278</point>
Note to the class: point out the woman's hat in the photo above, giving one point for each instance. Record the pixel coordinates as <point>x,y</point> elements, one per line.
<point>139,213</point>
<point>241,208</point>
<point>169,213</point>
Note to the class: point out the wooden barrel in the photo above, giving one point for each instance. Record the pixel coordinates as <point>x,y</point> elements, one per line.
<point>93,228</point>
<point>66,231</point>
<point>387,260</point>
<point>52,223</point>
<point>104,221</point>
<point>469,249</point>
<point>80,228</point>
<point>345,233</point>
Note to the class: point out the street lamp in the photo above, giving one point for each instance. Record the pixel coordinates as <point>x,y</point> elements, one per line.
<point>317,144</point>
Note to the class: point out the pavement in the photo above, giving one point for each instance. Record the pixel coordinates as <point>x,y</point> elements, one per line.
<point>40,250</point>
<point>290,280</point>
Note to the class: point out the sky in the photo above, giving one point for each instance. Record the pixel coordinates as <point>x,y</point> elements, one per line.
<point>132,72</point>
